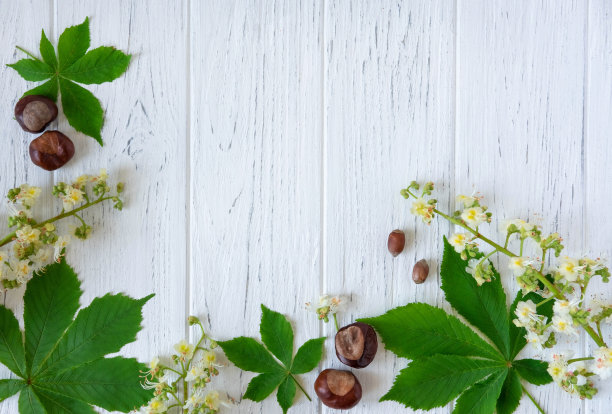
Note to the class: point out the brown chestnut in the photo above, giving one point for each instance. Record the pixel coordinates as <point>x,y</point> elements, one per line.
<point>338,389</point>
<point>420,271</point>
<point>396,242</point>
<point>35,112</point>
<point>51,150</point>
<point>356,345</point>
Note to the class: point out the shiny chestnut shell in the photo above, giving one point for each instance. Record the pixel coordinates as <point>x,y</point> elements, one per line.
<point>51,150</point>
<point>356,345</point>
<point>337,389</point>
<point>35,112</point>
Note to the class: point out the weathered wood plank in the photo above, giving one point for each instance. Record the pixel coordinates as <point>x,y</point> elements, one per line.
<point>597,156</point>
<point>519,125</point>
<point>389,119</point>
<point>16,168</point>
<point>143,248</point>
<point>255,172</point>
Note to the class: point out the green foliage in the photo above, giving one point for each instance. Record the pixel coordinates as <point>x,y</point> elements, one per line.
<point>75,64</point>
<point>277,336</point>
<point>61,365</point>
<point>450,359</point>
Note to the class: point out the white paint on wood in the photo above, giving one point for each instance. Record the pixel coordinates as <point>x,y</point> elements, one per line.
<point>264,144</point>
<point>519,126</point>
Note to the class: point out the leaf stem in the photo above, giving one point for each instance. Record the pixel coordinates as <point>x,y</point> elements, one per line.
<point>28,53</point>
<point>336,322</point>
<point>533,400</point>
<point>300,386</point>
<point>9,238</point>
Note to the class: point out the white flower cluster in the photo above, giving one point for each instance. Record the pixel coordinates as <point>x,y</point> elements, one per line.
<point>572,375</point>
<point>420,206</point>
<point>327,305</point>
<point>191,369</point>
<point>37,244</point>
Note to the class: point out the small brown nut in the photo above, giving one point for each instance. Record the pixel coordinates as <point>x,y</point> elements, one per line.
<point>356,345</point>
<point>396,242</point>
<point>338,389</point>
<point>35,112</point>
<point>51,150</point>
<point>420,271</point>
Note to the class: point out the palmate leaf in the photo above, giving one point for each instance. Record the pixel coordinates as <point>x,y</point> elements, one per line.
<point>435,381</point>
<point>510,395</point>
<point>481,398</point>
<point>483,306</point>
<point>62,365</point>
<point>73,63</point>
<point>533,371</point>
<point>451,359</point>
<point>427,330</point>
<point>274,374</point>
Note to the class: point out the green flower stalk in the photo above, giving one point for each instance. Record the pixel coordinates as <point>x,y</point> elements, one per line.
<point>36,244</point>
<point>565,284</point>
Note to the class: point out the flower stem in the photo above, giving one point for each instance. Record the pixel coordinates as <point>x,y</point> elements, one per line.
<point>533,400</point>
<point>557,293</point>
<point>336,322</point>
<point>10,237</point>
<point>300,386</point>
<point>570,361</point>
<point>501,249</point>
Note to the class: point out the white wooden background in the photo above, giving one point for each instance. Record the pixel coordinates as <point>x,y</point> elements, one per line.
<point>264,144</point>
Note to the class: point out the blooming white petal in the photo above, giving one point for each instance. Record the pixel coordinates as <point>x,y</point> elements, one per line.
<point>184,349</point>
<point>564,324</point>
<point>467,201</point>
<point>603,362</point>
<point>536,340</point>
<point>458,241</point>
<point>27,235</point>
<point>212,400</point>
<point>422,208</point>
<point>569,268</point>
<point>474,216</point>
<point>60,244</point>
<point>524,311</point>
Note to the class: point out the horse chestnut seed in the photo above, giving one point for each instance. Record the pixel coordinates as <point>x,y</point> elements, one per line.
<point>51,150</point>
<point>356,345</point>
<point>420,271</point>
<point>35,112</point>
<point>338,389</point>
<point>396,242</point>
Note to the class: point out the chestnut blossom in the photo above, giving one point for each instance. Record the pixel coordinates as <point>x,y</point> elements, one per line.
<point>525,311</point>
<point>422,208</point>
<point>569,268</point>
<point>557,368</point>
<point>603,362</point>
<point>474,216</point>
<point>184,349</point>
<point>326,306</point>
<point>458,241</point>
<point>564,324</point>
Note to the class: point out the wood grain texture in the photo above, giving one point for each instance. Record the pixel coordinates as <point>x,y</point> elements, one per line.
<point>141,249</point>
<point>255,172</point>
<point>389,119</point>
<point>16,168</point>
<point>598,175</point>
<point>519,126</point>
<point>264,143</point>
